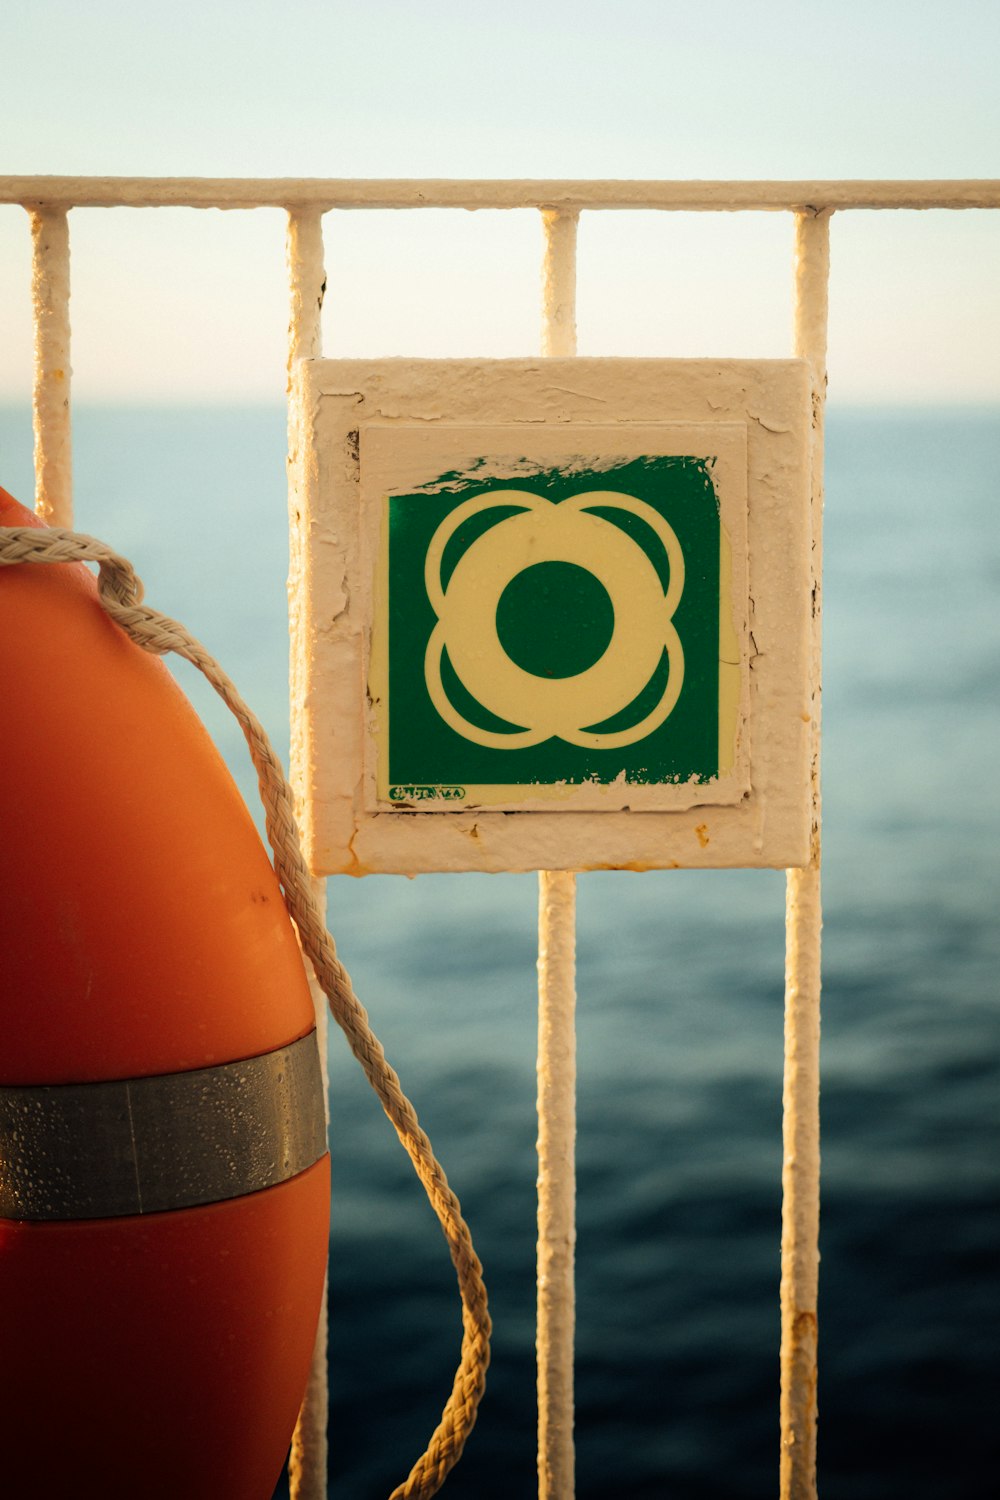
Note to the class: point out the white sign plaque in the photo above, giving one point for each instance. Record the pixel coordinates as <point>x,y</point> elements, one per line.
<point>554,614</point>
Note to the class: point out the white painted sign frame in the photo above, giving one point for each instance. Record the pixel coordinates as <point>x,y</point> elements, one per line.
<point>347,409</point>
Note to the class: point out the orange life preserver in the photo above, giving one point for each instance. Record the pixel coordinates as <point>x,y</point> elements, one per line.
<point>164,1183</point>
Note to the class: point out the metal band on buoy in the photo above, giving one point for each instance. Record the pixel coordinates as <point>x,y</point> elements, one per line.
<point>144,1145</point>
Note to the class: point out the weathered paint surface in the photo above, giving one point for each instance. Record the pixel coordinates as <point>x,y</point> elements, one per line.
<point>548,194</point>
<point>344,405</point>
<point>556,1181</point>
<point>803,927</point>
<point>308,1459</point>
<point>51,390</point>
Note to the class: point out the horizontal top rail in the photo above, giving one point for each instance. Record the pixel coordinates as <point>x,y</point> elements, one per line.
<point>325,193</point>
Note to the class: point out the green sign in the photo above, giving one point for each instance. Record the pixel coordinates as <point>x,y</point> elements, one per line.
<point>559,630</point>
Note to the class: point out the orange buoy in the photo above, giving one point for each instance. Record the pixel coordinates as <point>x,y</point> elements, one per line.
<point>164,1183</point>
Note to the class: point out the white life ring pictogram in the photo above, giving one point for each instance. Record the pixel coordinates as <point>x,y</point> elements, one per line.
<point>550,531</point>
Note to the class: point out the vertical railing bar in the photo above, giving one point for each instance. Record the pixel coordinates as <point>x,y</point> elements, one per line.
<point>306,284</point>
<point>803,924</point>
<point>557,1028</point>
<point>307,1467</point>
<point>559,283</point>
<point>51,384</point>
<point>556,1181</point>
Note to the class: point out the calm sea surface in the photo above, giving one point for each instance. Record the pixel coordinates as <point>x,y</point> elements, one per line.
<point>680,979</point>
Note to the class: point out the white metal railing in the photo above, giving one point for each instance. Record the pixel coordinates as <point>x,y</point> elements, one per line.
<point>48,201</point>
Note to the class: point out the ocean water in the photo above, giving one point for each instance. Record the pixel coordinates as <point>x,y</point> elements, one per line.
<point>680,1001</point>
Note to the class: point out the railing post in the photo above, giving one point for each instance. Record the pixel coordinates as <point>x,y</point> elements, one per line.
<point>559,282</point>
<point>307,1468</point>
<point>51,385</point>
<point>556,1181</point>
<point>803,924</point>
<point>557,1029</point>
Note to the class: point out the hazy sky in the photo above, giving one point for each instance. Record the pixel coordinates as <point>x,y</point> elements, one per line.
<point>193,304</point>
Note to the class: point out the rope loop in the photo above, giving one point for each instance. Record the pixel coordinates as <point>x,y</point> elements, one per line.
<point>121,593</point>
<point>118,583</point>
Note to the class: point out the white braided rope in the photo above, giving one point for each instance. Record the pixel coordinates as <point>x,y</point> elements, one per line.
<point>121,594</point>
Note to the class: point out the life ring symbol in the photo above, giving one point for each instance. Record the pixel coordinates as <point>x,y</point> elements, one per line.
<point>547,531</point>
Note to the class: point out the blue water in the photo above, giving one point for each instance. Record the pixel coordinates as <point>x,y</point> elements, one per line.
<point>680,979</point>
